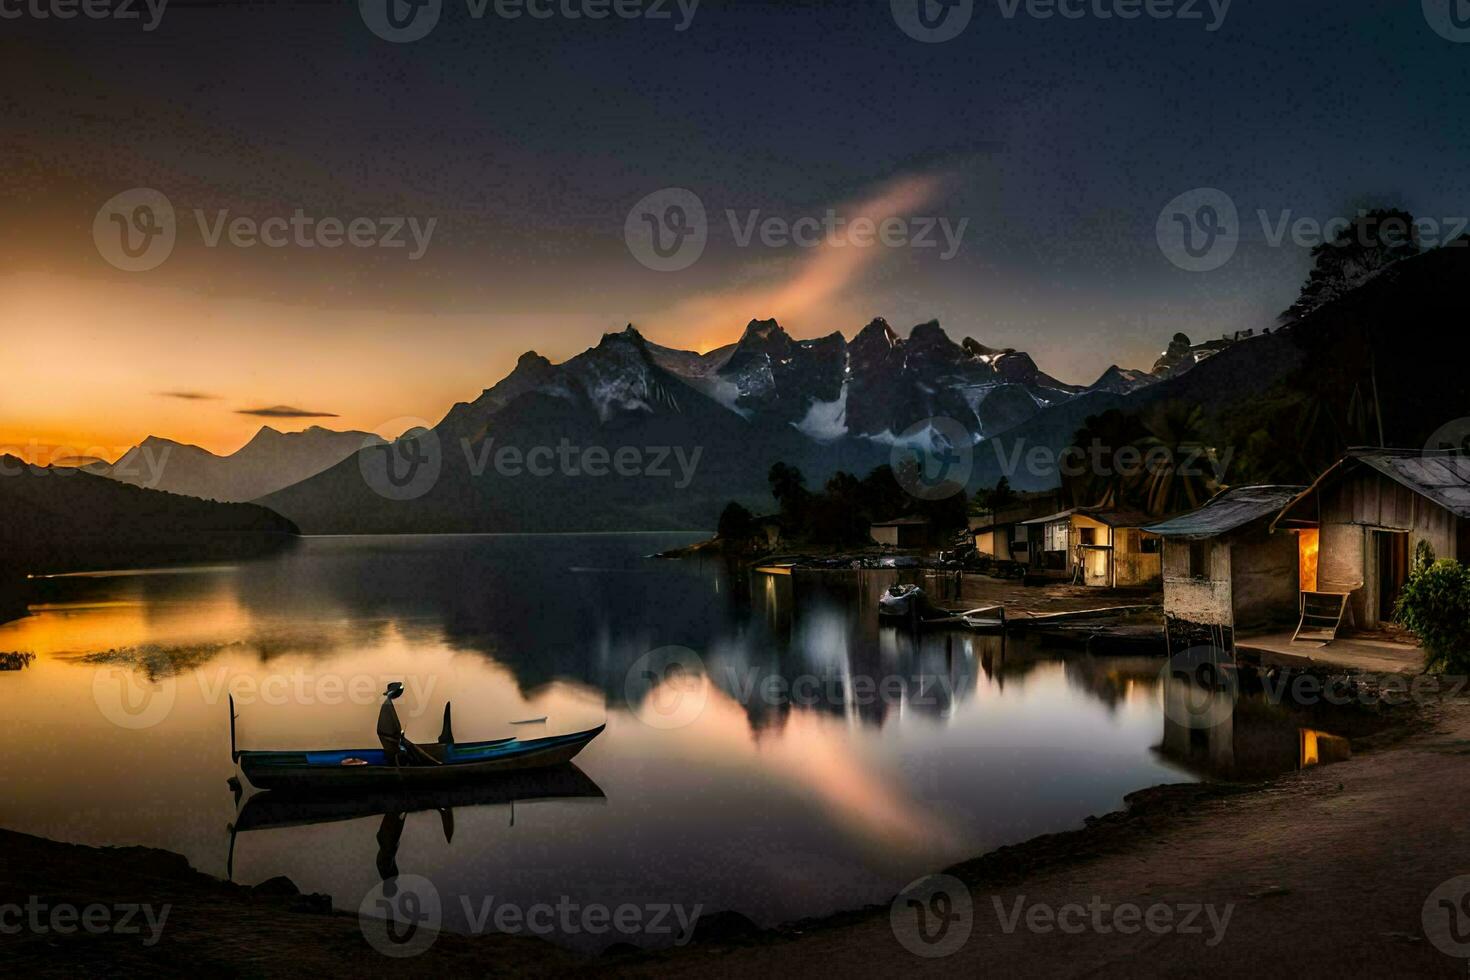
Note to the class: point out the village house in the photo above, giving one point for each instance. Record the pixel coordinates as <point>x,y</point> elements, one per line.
<point>903,532</point>
<point>1359,525</point>
<point>1098,546</point>
<point>1224,570</point>
<point>1001,533</point>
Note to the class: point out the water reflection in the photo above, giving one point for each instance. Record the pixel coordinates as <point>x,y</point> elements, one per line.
<point>273,810</point>
<point>1216,732</point>
<point>831,761</point>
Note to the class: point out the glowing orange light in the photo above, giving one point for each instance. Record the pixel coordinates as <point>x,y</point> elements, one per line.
<point>1307,545</point>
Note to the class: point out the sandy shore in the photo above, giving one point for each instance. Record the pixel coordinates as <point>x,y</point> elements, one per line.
<point>1325,871</point>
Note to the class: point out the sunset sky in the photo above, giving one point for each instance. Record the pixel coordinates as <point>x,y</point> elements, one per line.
<point>527,143</point>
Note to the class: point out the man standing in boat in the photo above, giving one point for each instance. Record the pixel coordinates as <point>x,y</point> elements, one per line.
<point>396,746</point>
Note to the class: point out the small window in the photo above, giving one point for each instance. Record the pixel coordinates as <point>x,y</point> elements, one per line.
<point>1088,535</point>
<point>1199,559</point>
<point>1149,546</point>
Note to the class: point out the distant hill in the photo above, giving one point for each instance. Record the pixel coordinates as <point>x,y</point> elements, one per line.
<point>55,519</point>
<point>269,461</point>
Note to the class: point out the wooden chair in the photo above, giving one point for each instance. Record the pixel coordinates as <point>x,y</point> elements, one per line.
<point>1321,616</point>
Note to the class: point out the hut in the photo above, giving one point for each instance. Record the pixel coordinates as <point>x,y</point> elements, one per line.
<point>1098,546</point>
<point>1224,569</point>
<point>1002,533</point>
<point>903,532</point>
<point>1359,525</point>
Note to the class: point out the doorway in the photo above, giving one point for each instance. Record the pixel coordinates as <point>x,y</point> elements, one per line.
<point>1391,553</point>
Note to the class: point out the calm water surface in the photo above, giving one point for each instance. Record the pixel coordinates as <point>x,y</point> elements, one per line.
<point>829,762</point>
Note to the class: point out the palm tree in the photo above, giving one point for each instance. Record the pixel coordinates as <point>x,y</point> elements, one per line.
<point>1180,471</point>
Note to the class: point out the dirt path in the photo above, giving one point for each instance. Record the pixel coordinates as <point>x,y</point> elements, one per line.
<point>1327,872</point>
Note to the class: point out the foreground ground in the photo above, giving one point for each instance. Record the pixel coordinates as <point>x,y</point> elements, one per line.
<point>1325,872</point>
<point>1328,872</point>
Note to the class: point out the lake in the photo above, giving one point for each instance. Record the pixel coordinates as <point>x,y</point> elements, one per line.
<point>804,760</point>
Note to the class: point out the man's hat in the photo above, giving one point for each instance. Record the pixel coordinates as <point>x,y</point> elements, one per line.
<point>394,690</point>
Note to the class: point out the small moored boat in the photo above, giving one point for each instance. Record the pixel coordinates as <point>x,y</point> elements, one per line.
<point>441,763</point>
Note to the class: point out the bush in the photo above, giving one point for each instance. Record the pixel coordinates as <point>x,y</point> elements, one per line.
<point>1435,604</point>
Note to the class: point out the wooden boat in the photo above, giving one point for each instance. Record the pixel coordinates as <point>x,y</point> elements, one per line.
<point>446,762</point>
<point>906,603</point>
<point>909,605</point>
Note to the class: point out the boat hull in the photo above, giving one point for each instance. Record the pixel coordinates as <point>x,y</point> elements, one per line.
<point>316,771</point>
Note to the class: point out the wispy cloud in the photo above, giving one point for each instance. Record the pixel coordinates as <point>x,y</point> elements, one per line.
<point>807,287</point>
<point>285,412</point>
<point>189,396</point>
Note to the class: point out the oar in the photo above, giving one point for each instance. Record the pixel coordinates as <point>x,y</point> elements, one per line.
<point>530,721</point>
<point>234,753</point>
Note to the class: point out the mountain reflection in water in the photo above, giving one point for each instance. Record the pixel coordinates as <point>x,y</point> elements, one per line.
<point>830,761</point>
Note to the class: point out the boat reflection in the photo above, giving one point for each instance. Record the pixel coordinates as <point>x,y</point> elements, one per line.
<point>276,809</point>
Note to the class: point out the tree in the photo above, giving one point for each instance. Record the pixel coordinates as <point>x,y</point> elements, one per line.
<point>737,525</point>
<point>995,498</point>
<point>788,486</point>
<point>1179,464</point>
<point>1435,604</point>
<point>1370,243</point>
<point>1091,474</point>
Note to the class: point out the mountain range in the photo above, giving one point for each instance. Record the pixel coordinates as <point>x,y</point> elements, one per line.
<point>269,461</point>
<point>718,419</point>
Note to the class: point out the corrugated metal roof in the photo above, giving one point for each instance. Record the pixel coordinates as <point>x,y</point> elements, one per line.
<point>1227,511</point>
<point>1112,517</point>
<point>1443,477</point>
<point>1051,517</point>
